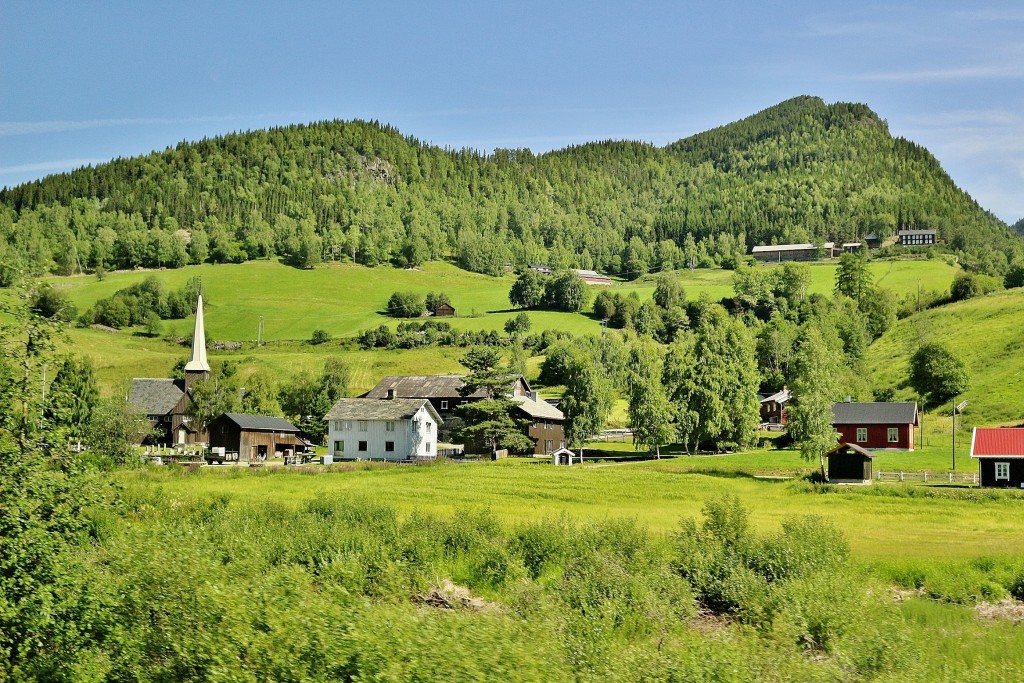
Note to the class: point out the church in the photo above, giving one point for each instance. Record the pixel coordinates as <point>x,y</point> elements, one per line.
<point>166,401</point>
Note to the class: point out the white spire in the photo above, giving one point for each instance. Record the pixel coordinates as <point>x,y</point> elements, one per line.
<point>197,363</point>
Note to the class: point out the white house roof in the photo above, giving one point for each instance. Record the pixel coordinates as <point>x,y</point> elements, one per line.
<point>780,396</point>
<point>763,248</point>
<point>379,409</point>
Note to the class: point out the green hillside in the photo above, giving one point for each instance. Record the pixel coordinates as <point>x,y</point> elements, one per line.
<point>986,332</point>
<point>357,191</point>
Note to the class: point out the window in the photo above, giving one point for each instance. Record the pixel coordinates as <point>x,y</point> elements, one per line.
<point>862,434</point>
<point>362,446</point>
<point>339,447</point>
<point>346,426</point>
<point>1002,471</point>
<point>444,405</point>
<point>894,435</point>
<point>430,427</point>
<point>389,426</point>
<point>363,425</point>
<point>428,447</point>
<point>389,446</point>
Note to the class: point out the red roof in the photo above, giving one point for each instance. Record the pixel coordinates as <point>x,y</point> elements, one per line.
<point>997,442</point>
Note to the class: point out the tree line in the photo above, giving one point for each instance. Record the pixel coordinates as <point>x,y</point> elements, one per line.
<point>802,171</point>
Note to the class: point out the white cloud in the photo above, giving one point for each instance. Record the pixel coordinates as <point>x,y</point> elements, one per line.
<point>56,165</point>
<point>9,128</point>
<point>963,73</point>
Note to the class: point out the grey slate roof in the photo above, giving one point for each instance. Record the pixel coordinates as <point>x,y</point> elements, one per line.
<point>378,409</point>
<point>539,409</point>
<point>262,423</point>
<point>422,386</point>
<point>156,396</point>
<point>874,413</point>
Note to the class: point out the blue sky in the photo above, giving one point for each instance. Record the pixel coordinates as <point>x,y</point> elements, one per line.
<point>86,82</point>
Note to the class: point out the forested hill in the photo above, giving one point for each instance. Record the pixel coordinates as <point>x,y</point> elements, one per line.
<point>800,171</point>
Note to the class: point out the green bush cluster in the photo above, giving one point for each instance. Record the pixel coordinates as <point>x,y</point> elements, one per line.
<point>143,302</point>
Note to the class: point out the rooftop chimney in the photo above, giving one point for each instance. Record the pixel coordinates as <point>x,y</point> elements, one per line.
<point>849,399</point>
<point>391,394</point>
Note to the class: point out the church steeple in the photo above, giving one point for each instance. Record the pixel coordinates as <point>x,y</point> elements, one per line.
<point>197,367</point>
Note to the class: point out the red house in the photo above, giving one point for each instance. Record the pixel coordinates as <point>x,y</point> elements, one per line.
<point>773,408</point>
<point>876,425</point>
<point>1000,455</point>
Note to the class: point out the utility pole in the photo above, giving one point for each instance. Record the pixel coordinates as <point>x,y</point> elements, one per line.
<point>259,332</point>
<point>958,408</point>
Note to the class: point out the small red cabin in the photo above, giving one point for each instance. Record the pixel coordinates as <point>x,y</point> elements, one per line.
<point>1000,455</point>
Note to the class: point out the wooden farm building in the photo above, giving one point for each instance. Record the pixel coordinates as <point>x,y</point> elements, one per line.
<point>916,238</point>
<point>166,402</point>
<point>1000,455</point>
<point>773,407</point>
<point>444,310</point>
<point>775,253</point>
<point>849,463</point>
<point>257,437</point>
<point>592,277</point>
<point>546,427</point>
<point>876,425</point>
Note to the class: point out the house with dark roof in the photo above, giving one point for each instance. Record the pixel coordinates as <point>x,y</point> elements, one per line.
<point>165,402</point>
<point>776,253</point>
<point>383,429</point>
<point>546,424</point>
<point>849,463</point>
<point>773,407</point>
<point>916,238</point>
<point>441,390</point>
<point>256,437</point>
<point>876,425</point>
<point>1000,455</point>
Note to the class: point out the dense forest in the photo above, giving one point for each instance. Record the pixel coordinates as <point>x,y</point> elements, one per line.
<point>800,171</point>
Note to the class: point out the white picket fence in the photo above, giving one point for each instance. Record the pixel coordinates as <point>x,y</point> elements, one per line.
<point>934,477</point>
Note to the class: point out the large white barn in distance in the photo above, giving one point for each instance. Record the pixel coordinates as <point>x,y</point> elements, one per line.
<point>382,429</point>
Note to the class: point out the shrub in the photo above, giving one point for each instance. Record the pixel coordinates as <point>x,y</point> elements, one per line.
<point>405,305</point>
<point>319,337</point>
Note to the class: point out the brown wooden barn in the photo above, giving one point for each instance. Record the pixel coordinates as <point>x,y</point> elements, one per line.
<point>848,463</point>
<point>444,310</point>
<point>887,426</point>
<point>256,437</point>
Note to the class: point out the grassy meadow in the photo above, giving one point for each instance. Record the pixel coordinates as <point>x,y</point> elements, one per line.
<point>987,332</point>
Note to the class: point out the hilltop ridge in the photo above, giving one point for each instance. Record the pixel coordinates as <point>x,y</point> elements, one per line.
<point>799,171</point>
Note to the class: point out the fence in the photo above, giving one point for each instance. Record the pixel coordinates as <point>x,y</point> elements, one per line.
<point>934,477</point>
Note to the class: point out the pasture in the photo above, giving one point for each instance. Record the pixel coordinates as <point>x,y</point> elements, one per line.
<point>883,523</point>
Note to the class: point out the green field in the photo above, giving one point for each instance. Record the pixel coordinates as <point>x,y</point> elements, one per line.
<point>987,332</point>
<point>901,277</point>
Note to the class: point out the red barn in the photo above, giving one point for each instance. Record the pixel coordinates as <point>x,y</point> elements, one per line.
<point>1000,455</point>
<point>876,425</point>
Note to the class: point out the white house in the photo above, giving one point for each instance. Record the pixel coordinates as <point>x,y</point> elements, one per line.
<point>383,429</point>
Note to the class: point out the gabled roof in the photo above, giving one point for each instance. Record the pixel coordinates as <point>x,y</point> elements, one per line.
<point>781,396</point>
<point>538,409</point>
<point>997,442</point>
<point>842,448</point>
<point>379,409</point>
<point>156,396</point>
<point>874,413</point>
<point>425,386</point>
<point>925,231</point>
<point>262,423</point>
